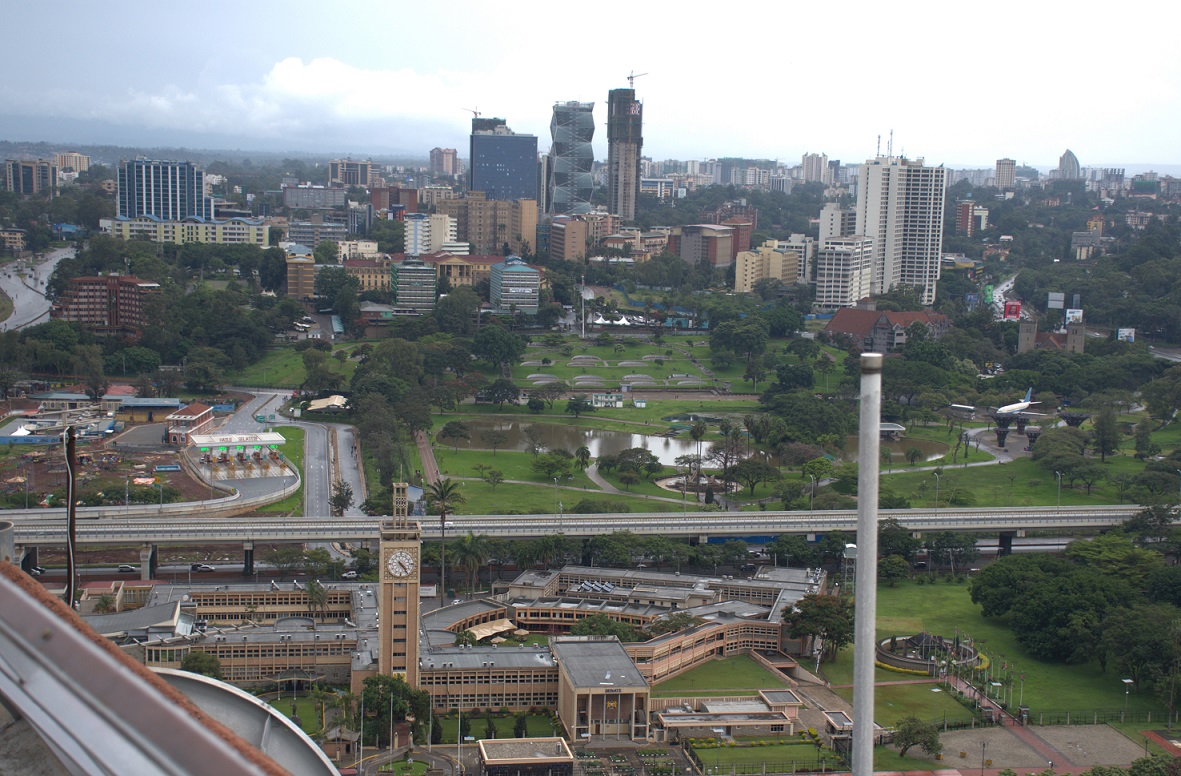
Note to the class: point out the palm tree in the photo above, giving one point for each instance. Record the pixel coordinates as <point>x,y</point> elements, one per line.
<point>471,552</point>
<point>317,597</point>
<point>583,457</point>
<point>444,496</point>
<point>697,433</point>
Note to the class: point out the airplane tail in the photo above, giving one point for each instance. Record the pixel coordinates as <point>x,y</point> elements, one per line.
<point>1028,394</point>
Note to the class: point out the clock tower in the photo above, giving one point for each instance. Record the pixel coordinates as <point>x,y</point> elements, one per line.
<point>399,555</point>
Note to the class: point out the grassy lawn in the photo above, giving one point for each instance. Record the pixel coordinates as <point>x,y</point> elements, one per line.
<point>539,726</point>
<point>5,306</point>
<point>535,500</point>
<point>942,608</point>
<point>309,714</point>
<point>402,768</point>
<point>292,450</point>
<point>283,368</point>
<point>726,756</point>
<point>727,676</point>
<point>515,465</point>
<point>894,702</point>
<point>1017,483</point>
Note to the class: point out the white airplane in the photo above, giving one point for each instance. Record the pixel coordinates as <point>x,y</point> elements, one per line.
<point>1019,407</point>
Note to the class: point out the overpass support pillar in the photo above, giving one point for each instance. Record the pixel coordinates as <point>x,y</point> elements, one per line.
<point>703,539</point>
<point>148,559</point>
<point>26,556</point>
<point>1004,544</point>
<point>247,558</point>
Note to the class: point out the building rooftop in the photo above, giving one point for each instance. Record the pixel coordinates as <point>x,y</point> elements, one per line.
<point>508,750</point>
<point>526,656</point>
<point>593,661</point>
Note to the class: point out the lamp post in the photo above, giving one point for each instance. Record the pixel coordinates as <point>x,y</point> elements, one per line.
<point>983,746</point>
<point>555,496</point>
<point>1127,689</point>
<point>935,704</point>
<point>718,749</point>
<point>1059,476</point>
<point>936,490</point>
<point>1179,487</point>
<point>812,496</point>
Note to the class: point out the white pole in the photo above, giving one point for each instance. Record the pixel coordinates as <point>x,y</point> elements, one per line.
<point>867,563</point>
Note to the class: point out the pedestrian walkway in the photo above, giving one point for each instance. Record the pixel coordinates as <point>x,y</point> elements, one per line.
<point>430,469</point>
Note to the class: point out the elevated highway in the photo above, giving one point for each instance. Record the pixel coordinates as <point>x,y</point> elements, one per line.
<point>34,529</point>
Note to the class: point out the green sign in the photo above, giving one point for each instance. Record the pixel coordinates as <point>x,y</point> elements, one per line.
<point>988,292</point>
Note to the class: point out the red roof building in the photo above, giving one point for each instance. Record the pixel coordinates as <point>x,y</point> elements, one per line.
<point>197,418</point>
<point>879,331</point>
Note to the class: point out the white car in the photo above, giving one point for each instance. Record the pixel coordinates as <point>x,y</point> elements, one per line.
<point>127,568</point>
<point>350,574</point>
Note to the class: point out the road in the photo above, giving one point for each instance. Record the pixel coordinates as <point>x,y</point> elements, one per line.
<point>28,294</point>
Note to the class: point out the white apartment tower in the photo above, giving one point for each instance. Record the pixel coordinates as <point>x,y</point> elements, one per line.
<point>1006,174</point>
<point>428,233</point>
<point>900,208</point>
<point>814,167</point>
<point>844,272</point>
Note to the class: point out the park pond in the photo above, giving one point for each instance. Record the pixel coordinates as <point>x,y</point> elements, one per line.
<point>598,441</point>
<point>931,450</point>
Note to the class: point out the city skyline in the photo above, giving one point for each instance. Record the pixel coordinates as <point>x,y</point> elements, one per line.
<point>279,83</point>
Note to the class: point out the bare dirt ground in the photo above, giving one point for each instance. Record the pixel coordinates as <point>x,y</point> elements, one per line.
<point>1082,746</point>
<point>1091,744</point>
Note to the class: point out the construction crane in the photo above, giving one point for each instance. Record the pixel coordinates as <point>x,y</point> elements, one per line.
<point>475,113</point>
<point>631,79</point>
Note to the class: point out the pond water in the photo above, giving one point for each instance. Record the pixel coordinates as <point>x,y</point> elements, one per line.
<point>932,451</point>
<point>572,437</point>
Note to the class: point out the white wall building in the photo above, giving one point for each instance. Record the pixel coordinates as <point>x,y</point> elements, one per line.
<point>844,272</point>
<point>428,233</point>
<point>900,208</point>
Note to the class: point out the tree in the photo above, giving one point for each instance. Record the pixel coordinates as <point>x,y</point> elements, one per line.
<point>1145,446</point>
<point>494,438</point>
<point>602,625</point>
<point>825,617</point>
<point>493,477</point>
<point>535,404</point>
<point>326,252</point>
<point>751,472</point>
<point>913,455</point>
<point>1106,435</point>
<point>912,731</point>
<point>551,392</point>
<point>489,726</point>
<point>317,597</point>
<point>893,568</point>
<point>202,663</point>
<point>628,478</point>
<point>471,552</point>
<point>285,559</point>
<point>498,346</point>
<point>582,457</point>
<point>578,404</point>
<point>443,496</point>
<point>521,727</point>
<point>454,431</point>
<point>88,363</point>
<point>502,390</point>
<point>465,727</point>
<point>341,498</point>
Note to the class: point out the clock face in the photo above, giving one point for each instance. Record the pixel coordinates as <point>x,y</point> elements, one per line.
<point>400,564</point>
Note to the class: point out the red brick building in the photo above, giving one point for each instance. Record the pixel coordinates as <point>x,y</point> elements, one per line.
<point>108,305</point>
<point>197,418</point>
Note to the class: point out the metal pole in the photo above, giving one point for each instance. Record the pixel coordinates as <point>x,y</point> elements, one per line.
<point>1059,475</point>
<point>867,563</point>
<point>936,491</point>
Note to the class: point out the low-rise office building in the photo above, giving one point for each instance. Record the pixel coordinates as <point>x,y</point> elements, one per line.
<point>231,231</point>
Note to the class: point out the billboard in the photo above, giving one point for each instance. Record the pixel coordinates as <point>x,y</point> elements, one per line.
<point>1125,335</point>
<point>1056,300</point>
<point>1074,315</point>
<point>988,293</point>
<point>1012,311</point>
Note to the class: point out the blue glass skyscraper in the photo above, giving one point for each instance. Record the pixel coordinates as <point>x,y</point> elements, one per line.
<point>503,164</point>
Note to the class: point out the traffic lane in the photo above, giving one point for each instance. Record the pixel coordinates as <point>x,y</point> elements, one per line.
<point>349,450</point>
<point>29,302</point>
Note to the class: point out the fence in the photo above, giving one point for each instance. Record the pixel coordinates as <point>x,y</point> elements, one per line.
<point>819,764</point>
<point>1094,717</point>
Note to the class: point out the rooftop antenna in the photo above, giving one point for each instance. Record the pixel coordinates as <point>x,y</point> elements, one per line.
<point>879,153</point>
<point>631,79</point>
<point>890,147</point>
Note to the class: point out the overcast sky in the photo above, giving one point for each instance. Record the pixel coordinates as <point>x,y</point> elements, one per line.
<point>959,83</point>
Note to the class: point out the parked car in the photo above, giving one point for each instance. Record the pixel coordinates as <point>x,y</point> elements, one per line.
<point>127,568</point>
<point>202,567</point>
<point>350,574</point>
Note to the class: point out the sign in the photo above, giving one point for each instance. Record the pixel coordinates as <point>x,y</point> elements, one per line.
<point>1074,316</point>
<point>1125,335</point>
<point>988,292</point>
<point>1056,300</point>
<point>168,467</point>
<point>1012,311</point>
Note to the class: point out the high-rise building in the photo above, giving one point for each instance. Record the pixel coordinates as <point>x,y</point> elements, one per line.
<point>514,286</point>
<point>503,164</point>
<point>815,167</point>
<point>1006,174</point>
<point>428,233</point>
<point>26,177</point>
<point>397,597</point>
<point>1068,166</point>
<point>444,162</point>
<point>900,208</point>
<point>413,283</point>
<point>488,225</point>
<point>625,141</point>
<point>571,158</point>
<point>710,243</point>
<point>766,262</point>
<point>970,217</point>
<point>108,305</point>
<point>844,271</point>
<point>170,191</point>
<point>70,160</point>
<point>836,221</point>
<point>346,172</point>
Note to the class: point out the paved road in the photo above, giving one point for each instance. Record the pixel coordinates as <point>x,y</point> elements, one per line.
<point>28,294</point>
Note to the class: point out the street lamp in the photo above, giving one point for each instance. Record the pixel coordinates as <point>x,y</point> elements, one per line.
<point>935,704</point>
<point>1127,689</point>
<point>812,497</point>
<point>718,749</point>
<point>1179,487</point>
<point>1059,475</point>
<point>983,746</point>
<point>936,490</point>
